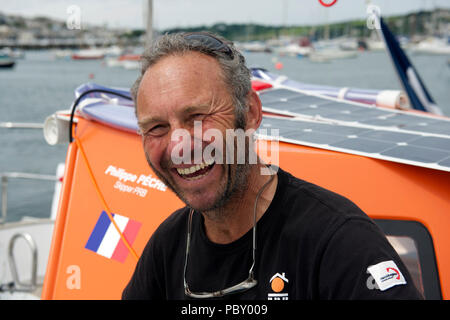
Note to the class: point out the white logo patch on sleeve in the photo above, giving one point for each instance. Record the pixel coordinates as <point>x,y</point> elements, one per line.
<point>386,274</point>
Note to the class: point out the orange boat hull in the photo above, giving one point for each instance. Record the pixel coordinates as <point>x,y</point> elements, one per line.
<point>383,189</point>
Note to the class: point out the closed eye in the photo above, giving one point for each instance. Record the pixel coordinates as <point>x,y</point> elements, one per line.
<point>197,117</point>
<point>157,130</point>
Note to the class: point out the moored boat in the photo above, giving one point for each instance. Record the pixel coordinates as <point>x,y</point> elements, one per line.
<point>88,54</point>
<point>6,61</point>
<point>397,160</point>
<point>433,46</point>
<point>127,61</point>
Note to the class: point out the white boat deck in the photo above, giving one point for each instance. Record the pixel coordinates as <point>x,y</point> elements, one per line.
<point>40,231</point>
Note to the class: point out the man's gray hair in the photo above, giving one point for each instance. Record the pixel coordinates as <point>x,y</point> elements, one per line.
<point>235,73</point>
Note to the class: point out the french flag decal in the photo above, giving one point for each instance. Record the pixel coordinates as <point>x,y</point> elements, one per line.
<point>106,241</point>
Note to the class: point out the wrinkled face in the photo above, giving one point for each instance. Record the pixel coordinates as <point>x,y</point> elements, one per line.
<point>176,94</point>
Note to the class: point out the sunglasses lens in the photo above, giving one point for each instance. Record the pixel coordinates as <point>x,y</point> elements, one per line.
<point>205,40</point>
<point>210,42</point>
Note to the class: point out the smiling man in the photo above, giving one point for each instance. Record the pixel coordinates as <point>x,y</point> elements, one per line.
<point>244,234</point>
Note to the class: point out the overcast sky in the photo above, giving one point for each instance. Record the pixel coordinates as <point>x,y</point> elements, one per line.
<point>183,13</point>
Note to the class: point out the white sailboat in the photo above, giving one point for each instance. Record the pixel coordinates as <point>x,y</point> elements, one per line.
<point>436,46</point>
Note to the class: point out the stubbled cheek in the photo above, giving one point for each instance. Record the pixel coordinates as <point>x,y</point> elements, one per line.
<point>153,151</point>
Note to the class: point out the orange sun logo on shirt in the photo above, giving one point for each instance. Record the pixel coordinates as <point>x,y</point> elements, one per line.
<point>278,283</point>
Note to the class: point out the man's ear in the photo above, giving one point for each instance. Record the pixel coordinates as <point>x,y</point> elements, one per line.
<point>254,112</point>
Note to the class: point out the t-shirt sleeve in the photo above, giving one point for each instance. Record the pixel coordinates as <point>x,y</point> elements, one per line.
<point>358,262</point>
<point>144,283</point>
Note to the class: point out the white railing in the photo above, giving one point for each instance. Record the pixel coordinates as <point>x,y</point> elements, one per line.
<point>21,125</point>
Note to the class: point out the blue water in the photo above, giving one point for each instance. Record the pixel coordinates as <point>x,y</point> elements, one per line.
<point>40,85</point>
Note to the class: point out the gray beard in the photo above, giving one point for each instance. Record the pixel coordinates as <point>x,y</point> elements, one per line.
<point>233,192</point>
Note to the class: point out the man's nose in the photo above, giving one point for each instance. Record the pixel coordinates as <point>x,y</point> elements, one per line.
<point>186,142</point>
<point>183,141</point>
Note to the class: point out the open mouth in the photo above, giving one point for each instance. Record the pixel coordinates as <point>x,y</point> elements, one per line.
<point>196,171</point>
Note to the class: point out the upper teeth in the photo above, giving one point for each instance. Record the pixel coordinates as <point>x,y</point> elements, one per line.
<point>195,168</point>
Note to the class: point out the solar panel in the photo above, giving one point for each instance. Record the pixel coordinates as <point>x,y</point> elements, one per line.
<point>431,126</point>
<point>419,154</point>
<point>279,94</point>
<point>295,103</point>
<point>432,142</point>
<point>420,149</point>
<point>445,163</point>
<point>389,136</point>
<point>364,145</point>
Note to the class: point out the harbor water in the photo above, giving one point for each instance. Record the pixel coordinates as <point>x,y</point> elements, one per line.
<point>39,85</point>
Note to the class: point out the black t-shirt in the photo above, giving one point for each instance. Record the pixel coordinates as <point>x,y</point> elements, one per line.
<point>311,244</point>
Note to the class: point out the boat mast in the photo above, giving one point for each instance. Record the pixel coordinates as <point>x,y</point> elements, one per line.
<point>149,22</point>
<point>326,32</point>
